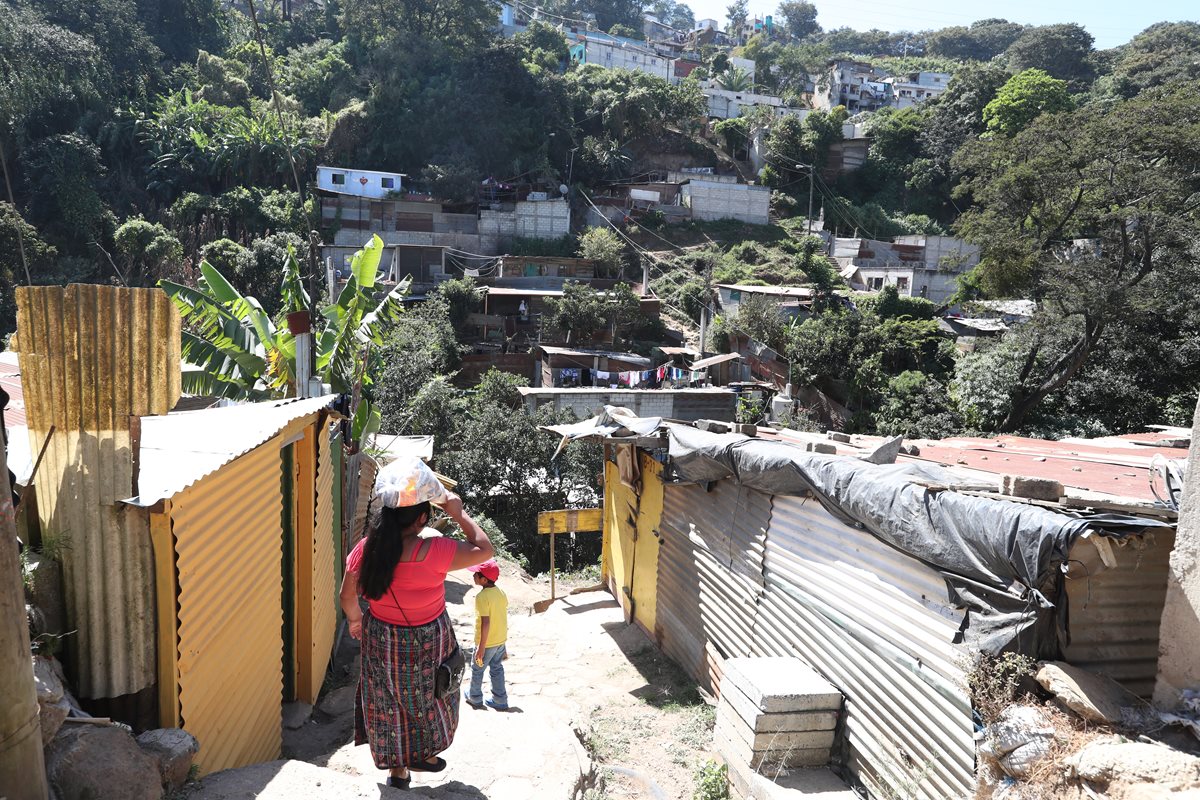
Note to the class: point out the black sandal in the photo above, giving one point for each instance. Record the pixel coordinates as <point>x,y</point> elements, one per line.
<point>399,783</point>
<point>438,765</point>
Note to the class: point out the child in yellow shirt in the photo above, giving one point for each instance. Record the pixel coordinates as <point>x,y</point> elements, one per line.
<point>491,632</point>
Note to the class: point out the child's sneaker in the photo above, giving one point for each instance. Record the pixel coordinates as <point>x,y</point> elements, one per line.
<point>495,705</point>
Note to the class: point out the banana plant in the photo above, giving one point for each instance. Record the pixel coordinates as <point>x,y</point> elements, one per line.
<point>237,351</point>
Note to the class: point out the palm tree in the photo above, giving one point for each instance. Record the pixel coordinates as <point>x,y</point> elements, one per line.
<point>735,79</point>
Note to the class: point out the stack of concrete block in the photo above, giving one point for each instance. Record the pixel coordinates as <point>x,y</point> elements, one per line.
<point>775,713</point>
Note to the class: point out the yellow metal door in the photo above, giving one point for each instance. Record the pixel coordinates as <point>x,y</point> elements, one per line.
<point>645,545</point>
<point>620,513</point>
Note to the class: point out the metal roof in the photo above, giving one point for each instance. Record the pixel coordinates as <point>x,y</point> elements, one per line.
<point>632,358</point>
<point>679,351</point>
<point>711,360</point>
<point>508,291</point>
<point>10,381</point>
<point>179,449</point>
<point>786,291</point>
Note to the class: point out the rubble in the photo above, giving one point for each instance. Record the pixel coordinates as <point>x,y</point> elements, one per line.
<point>1105,763</point>
<point>1091,696</point>
<point>1019,739</point>
<point>174,750</point>
<point>101,763</point>
<point>53,705</point>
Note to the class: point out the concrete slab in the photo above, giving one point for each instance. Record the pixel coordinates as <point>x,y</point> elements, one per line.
<point>775,741</point>
<point>734,750</point>
<point>764,722</point>
<point>782,684</point>
<point>815,783</point>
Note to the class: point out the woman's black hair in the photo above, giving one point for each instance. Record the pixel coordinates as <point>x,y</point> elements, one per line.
<point>382,550</point>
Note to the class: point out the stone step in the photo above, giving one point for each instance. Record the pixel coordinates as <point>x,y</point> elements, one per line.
<point>822,784</point>
<point>781,684</point>
<point>773,741</point>
<point>764,722</point>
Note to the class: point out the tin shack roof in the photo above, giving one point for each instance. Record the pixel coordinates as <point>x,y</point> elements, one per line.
<point>180,448</point>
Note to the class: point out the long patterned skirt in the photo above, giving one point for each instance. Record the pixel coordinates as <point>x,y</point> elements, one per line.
<point>396,711</point>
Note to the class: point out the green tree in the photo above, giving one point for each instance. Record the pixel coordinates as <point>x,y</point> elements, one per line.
<point>1026,96</point>
<point>737,13</point>
<point>798,18</point>
<point>1064,51</point>
<point>148,252</point>
<point>604,247</point>
<point>1163,53</point>
<point>63,178</point>
<point>21,248</point>
<point>580,313</point>
<point>1092,212</point>
<point>736,79</point>
<point>982,41</point>
<point>452,23</point>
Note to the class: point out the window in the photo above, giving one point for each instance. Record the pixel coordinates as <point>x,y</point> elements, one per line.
<point>874,284</point>
<point>387,183</point>
<point>902,284</point>
<point>339,179</point>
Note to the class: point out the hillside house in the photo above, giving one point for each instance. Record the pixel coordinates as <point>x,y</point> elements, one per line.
<point>918,266</point>
<point>360,182</point>
<point>792,301</point>
<point>856,85</point>
<point>915,88</point>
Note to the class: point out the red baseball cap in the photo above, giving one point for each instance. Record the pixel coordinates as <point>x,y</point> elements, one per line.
<point>488,569</point>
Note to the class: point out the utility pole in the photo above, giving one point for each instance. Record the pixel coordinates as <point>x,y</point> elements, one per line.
<point>22,769</point>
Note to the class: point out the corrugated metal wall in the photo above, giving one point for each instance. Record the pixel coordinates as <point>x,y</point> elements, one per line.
<point>1115,613</point>
<point>322,591</point>
<point>710,569</point>
<point>228,539</point>
<point>91,356</point>
<point>877,625</point>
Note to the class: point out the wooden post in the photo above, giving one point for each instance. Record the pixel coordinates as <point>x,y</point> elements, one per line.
<point>552,565</point>
<point>22,769</point>
<point>569,520</point>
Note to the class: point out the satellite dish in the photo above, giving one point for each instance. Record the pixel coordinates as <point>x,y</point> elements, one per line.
<point>562,189</point>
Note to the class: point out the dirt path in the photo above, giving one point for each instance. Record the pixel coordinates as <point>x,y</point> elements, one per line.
<point>577,673</point>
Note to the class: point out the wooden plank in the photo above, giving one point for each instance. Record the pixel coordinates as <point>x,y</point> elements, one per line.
<point>571,519</point>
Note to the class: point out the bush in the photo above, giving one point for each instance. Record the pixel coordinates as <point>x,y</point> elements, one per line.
<point>604,247</point>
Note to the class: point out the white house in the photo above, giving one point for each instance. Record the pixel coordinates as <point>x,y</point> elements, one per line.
<point>616,52</point>
<point>918,266</point>
<point>915,88</point>
<point>358,182</point>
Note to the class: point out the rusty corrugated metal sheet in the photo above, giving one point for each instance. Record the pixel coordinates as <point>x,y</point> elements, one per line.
<point>229,549</point>
<point>876,624</point>
<point>324,593</point>
<point>1115,613</point>
<point>713,554</point>
<point>90,358</point>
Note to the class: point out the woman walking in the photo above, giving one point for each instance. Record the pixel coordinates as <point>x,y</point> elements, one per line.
<point>400,569</point>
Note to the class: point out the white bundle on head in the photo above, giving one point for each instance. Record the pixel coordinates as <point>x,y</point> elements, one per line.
<point>407,482</point>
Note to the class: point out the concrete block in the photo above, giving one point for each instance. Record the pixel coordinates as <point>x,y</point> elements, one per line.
<point>762,722</point>
<point>771,742</point>
<point>781,684</point>
<point>839,437</point>
<point>770,764</point>
<point>791,785</point>
<point>1032,488</point>
<point>821,447</point>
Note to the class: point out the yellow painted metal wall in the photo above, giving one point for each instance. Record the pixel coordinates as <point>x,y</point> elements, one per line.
<point>620,520</point>
<point>91,357</point>
<point>229,546</point>
<point>317,588</point>
<point>645,548</point>
<point>630,555</point>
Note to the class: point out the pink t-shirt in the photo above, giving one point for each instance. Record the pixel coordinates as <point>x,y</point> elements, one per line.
<point>418,586</point>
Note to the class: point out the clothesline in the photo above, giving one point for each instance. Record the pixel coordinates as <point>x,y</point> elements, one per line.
<point>651,378</point>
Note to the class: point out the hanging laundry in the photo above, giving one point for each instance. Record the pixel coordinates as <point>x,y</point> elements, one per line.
<point>601,377</point>
<point>623,379</point>
<point>569,377</point>
<point>470,273</point>
<point>662,373</point>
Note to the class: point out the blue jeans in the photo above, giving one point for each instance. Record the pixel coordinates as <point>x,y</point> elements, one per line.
<point>493,660</point>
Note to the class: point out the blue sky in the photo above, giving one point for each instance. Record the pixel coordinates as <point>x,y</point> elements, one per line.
<point>1109,21</point>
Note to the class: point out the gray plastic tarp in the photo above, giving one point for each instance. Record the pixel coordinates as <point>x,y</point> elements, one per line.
<point>1003,561</point>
